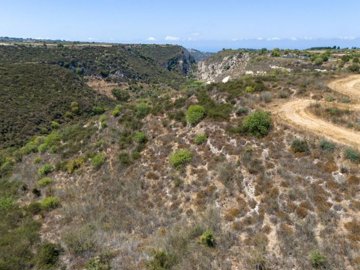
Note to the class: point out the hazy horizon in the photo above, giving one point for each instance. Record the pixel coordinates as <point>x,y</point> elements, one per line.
<point>203,25</point>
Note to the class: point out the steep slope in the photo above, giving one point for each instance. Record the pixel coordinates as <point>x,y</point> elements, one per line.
<point>147,63</point>
<point>34,95</point>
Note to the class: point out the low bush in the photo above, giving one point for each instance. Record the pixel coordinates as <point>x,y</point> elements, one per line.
<point>200,139</point>
<point>352,155</point>
<point>47,255</point>
<point>80,240</point>
<point>120,94</point>
<point>327,146</point>
<point>96,110</point>
<point>74,164</point>
<point>6,203</point>
<point>257,124</point>
<point>180,158</point>
<point>55,125</point>
<point>162,260</point>
<point>50,203</point>
<point>299,146</point>
<point>242,111</point>
<point>124,158</point>
<point>117,110</point>
<point>140,137</point>
<point>142,109</point>
<point>195,114</point>
<point>98,160</point>
<point>101,262</point>
<point>46,169</point>
<point>207,238</point>
<point>45,181</point>
<point>317,259</point>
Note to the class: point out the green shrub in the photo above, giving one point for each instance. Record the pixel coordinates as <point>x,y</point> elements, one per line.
<point>50,203</point>
<point>96,110</point>
<point>327,146</point>
<point>257,123</point>
<point>352,155</point>
<point>162,260</point>
<point>6,203</point>
<point>120,94</point>
<point>74,107</point>
<point>34,208</point>
<point>6,167</point>
<point>47,255</point>
<point>98,160</point>
<point>207,238</point>
<point>200,139</point>
<point>195,114</point>
<point>55,125</point>
<point>117,110</point>
<point>317,259</point>
<point>135,155</point>
<point>140,137</point>
<point>299,146</point>
<point>74,164</point>
<point>242,111</point>
<point>318,61</point>
<point>32,145</point>
<point>46,169</point>
<point>180,158</point>
<point>49,141</point>
<point>249,89</point>
<point>124,158</point>
<point>45,181</point>
<point>142,109</point>
<point>354,68</point>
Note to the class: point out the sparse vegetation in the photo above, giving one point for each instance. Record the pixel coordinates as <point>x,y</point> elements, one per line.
<point>317,259</point>
<point>133,184</point>
<point>299,146</point>
<point>207,238</point>
<point>352,155</point>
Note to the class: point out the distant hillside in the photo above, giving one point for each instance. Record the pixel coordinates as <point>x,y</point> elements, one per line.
<point>199,55</point>
<point>34,95</point>
<point>147,63</point>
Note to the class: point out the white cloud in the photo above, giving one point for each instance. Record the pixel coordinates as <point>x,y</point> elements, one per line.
<point>347,38</point>
<point>273,38</point>
<point>172,38</point>
<point>151,39</point>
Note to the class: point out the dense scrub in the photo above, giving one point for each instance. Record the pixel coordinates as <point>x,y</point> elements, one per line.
<point>149,63</point>
<point>33,96</point>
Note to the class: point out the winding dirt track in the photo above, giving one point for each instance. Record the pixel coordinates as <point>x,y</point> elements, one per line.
<point>296,114</point>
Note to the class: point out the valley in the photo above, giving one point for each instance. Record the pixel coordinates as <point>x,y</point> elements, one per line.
<point>159,157</point>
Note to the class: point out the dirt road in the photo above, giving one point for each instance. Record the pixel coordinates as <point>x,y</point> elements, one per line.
<point>294,112</point>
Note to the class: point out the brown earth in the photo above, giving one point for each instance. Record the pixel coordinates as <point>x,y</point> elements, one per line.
<point>295,113</point>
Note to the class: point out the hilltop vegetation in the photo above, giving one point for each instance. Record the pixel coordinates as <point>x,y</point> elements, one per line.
<point>147,63</point>
<point>36,98</point>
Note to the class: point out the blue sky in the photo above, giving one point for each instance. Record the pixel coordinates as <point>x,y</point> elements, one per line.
<point>201,24</point>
